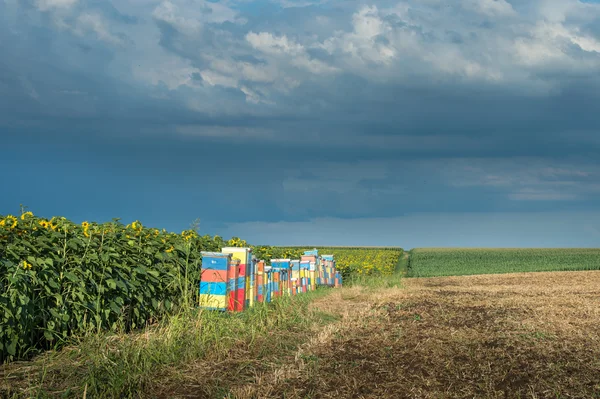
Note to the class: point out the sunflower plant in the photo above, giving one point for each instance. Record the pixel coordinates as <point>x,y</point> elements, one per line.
<point>59,278</point>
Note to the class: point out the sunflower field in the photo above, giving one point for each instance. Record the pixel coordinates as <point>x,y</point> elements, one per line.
<point>365,261</point>
<point>349,261</point>
<point>267,252</point>
<point>58,278</point>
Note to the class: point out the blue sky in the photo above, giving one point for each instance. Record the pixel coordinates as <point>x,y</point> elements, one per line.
<point>410,123</point>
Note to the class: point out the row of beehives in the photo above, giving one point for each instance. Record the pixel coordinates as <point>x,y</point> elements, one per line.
<point>234,279</point>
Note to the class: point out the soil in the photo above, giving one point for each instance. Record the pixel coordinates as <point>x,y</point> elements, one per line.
<point>534,335</point>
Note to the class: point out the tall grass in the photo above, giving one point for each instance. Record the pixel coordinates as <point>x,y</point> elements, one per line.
<point>429,262</point>
<point>127,365</point>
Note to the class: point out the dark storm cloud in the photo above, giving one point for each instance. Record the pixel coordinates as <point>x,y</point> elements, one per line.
<point>240,112</point>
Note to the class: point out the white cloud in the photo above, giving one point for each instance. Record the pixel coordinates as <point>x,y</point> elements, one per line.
<point>172,71</point>
<point>254,97</point>
<point>367,24</point>
<point>492,8</point>
<point>281,46</point>
<point>556,10</point>
<point>299,3</point>
<point>95,23</point>
<point>214,78</point>
<point>587,43</point>
<point>323,20</point>
<point>393,44</point>
<point>263,73</point>
<point>548,44</point>
<point>270,44</point>
<point>233,74</point>
<point>360,44</point>
<point>170,13</point>
<point>314,66</point>
<point>188,16</point>
<point>45,5</point>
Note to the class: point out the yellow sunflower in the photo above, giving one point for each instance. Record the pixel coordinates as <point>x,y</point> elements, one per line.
<point>10,219</point>
<point>23,216</point>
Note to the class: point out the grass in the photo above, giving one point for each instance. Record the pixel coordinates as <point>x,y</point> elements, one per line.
<point>431,262</point>
<point>132,365</point>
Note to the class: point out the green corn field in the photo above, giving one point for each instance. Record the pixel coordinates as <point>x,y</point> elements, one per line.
<point>431,262</point>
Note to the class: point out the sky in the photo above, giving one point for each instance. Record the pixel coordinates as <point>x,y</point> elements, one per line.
<point>308,122</point>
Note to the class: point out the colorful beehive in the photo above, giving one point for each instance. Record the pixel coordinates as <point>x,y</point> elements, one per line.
<point>245,271</point>
<point>312,259</point>
<point>214,281</point>
<point>295,275</point>
<point>276,276</point>
<point>252,291</point>
<point>234,267</point>
<point>338,280</point>
<point>293,285</point>
<point>268,286</point>
<point>290,286</point>
<point>283,266</point>
<point>309,258</point>
<point>260,281</point>
<point>304,268</point>
<point>314,252</point>
<point>328,270</point>
<point>333,271</point>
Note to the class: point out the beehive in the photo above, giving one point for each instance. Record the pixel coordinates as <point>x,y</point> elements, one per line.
<point>214,281</point>
<point>245,273</point>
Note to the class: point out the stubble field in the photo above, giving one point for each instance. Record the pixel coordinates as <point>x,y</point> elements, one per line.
<point>533,335</point>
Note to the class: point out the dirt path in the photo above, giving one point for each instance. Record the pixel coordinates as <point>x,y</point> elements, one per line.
<point>533,335</point>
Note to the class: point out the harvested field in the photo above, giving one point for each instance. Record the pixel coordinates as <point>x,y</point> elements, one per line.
<point>491,336</point>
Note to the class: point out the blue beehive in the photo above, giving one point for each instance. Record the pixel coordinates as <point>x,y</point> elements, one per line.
<point>214,280</point>
<point>268,283</point>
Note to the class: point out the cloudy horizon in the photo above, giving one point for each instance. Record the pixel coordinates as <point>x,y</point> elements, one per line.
<point>405,123</point>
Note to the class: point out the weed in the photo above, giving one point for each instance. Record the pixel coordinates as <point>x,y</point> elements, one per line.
<point>125,365</point>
